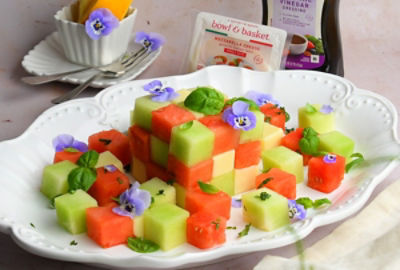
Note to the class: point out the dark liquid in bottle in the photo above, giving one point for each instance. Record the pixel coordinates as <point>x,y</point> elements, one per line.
<point>324,53</point>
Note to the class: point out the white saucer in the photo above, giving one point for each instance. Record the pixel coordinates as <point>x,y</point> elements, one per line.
<point>48,58</point>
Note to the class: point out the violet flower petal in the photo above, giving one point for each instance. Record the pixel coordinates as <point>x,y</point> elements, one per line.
<point>134,201</point>
<point>236,203</point>
<point>261,98</point>
<point>296,211</point>
<point>240,107</point>
<point>67,141</point>
<point>101,22</point>
<point>80,146</point>
<point>326,109</point>
<point>153,86</point>
<point>152,41</point>
<point>110,168</point>
<point>329,159</point>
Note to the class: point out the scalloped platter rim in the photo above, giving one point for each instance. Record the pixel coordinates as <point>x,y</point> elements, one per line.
<point>111,109</point>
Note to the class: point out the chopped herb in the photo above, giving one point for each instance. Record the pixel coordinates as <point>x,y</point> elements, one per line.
<point>231,228</point>
<point>288,130</point>
<point>207,188</point>
<point>160,192</point>
<point>264,182</point>
<point>115,199</point>
<point>73,243</point>
<point>217,223</point>
<point>267,119</point>
<point>321,202</point>
<point>245,231</point>
<point>32,225</point>
<point>105,141</point>
<point>171,182</point>
<point>142,245</point>
<point>186,125</point>
<point>287,115</point>
<point>308,203</point>
<point>205,100</point>
<point>152,200</point>
<point>120,181</point>
<point>358,159</point>
<point>310,142</point>
<point>310,108</point>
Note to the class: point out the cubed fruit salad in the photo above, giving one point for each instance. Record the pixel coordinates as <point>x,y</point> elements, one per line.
<point>187,159</point>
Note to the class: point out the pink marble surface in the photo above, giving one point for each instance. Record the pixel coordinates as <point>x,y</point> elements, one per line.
<point>371,55</point>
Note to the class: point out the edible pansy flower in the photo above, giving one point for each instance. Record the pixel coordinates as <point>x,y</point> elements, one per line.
<point>329,159</point>
<point>236,203</point>
<point>101,22</point>
<point>261,98</point>
<point>160,93</point>
<point>133,202</point>
<point>66,141</point>
<point>239,116</point>
<point>296,210</point>
<point>110,168</point>
<point>326,109</point>
<point>150,41</point>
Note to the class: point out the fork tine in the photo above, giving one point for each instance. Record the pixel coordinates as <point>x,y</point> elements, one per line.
<point>133,56</point>
<point>137,60</point>
<point>132,60</point>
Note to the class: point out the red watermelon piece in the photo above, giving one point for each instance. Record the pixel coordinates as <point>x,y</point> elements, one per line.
<point>247,154</point>
<point>139,140</point>
<point>280,181</point>
<point>274,115</point>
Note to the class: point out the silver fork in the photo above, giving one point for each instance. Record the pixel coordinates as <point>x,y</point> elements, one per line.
<point>113,70</point>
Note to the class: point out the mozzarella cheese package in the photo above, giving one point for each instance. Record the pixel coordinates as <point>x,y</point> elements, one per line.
<point>220,40</point>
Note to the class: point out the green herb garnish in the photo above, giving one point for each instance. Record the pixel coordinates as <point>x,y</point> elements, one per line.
<point>321,202</point>
<point>160,192</point>
<point>216,223</point>
<point>310,142</point>
<point>186,125</point>
<point>308,203</point>
<point>171,182</point>
<point>81,178</point>
<point>71,150</point>
<point>231,228</point>
<point>120,181</point>
<point>267,119</point>
<point>358,159</point>
<point>252,105</point>
<point>32,225</point>
<point>88,159</point>
<point>264,182</point>
<point>142,245</point>
<point>205,100</point>
<point>105,141</point>
<point>116,199</point>
<point>73,243</point>
<point>208,188</point>
<point>263,196</point>
<point>245,231</point>
<point>310,108</point>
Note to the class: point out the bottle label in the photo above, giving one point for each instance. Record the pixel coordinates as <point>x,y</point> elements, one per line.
<point>302,19</point>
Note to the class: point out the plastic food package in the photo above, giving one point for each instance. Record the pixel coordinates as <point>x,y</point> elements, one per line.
<point>220,40</point>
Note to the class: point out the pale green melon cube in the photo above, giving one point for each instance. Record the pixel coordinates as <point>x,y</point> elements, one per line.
<point>225,182</point>
<point>320,122</point>
<point>165,224</point>
<point>71,210</point>
<point>159,151</point>
<point>192,143</point>
<point>180,194</point>
<point>266,214</point>
<point>160,191</point>
<point>285,159</point>
<point>108,158</point>
<point>255,133</point>
<point>337,143</point>
<point>55,178</point>
<point>143,108</point>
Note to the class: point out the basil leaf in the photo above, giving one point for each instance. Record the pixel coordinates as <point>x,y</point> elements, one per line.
<point>88,159</point>
<point>142,245</point>
<point>205,100</point>
<point>321,202</point>
<point>245,231</point>
<point>252,105</point>
<point>207,188</point>
<point>310,108</point>
<point>306,202</point>
<point>309,145</point>
<point>81,178</point>
<point>309,132</point>
<point>358,160</point>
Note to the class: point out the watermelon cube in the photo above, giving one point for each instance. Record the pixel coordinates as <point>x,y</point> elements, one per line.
<point>160,191</point>
<point>274,115</point>
<point>108,185</point>
<point>337,143</point>
<point>197,115</point>
<point>319,121</point>
<point>154,170</point>
<point>285,159</point>
<point>256,133</point>
<point>245,179</point>
<point>247,154</point>
<point>272,136</point>
<point>108,158</point>
<point>292,139</point>
<point>192,143</point>
<point>223,163</point>
<point>55,178</point>
<point>279,181</point>
<point>165,118</point>
<point>159,151</point>
<point>197,200</point>
<point>67,154</point>
<point>71,210</point>
<point>139,170</point>
<point>144,106</point>
<point>265,209</point>
<point>101,223</point>
<point>206,230</point>
<point>226,137</point>
<point>139,143</point>
<point>324,174</point>
<point>225,182</point>
<point>165,224</point>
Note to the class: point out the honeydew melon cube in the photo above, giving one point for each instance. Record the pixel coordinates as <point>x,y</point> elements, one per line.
<point>320,122</point>
<point>165,224</point>
<point>337,143</point>
<point>245,179</point>
<point>159,151</point>
<point>143,108</point>
<point>269,214</point>
<point>285,159</point>
<point>139,170</point>
<point>223,163</point>
<point>198,115</point>
<point>180,194</point>
<point>192,143</point>
<point>225,182</point>
<point>255,133</point>
<point>160,191</point>
<point>55,178</point>
<point>71,210</point>
<point>108,158</point>
<point>272,136</point>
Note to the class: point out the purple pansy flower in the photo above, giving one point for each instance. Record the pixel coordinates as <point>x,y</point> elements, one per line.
<point>110,168</point>
<point>296,210</point>
<point>133,202</point>
<point>100,23</point>
<point>261,98</point>
<point>326,109</point>
<point>151,41</point>
<point>329,159</point>
<point>239,116</point>
<point>236,203</point>
<point>64,141</point>
<point>159,93</point>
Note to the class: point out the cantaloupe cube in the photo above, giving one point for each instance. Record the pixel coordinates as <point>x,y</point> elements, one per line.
<point>143,111</point>
<point>160,191</point>
<point>108,158</point>
<point>285,159</point>
<point>266,214</point>
<point>245,179</point>
<point>223,163</point>
<point>159,151</point>
<point>225,182</point>
<point>272,136</point>
<point>71,210</point>
<point>138,226</point>
<point>139,142</point>
<point>55,178</point>
<point>256,133</point>
<point>182,96</point>
<point>320,122</point>
<point>197,200</point>
<point>165,224</point>
<point>139,170</point>
<point>180,194</point>
<point>247,154</point>
<point>337,143</point>
<point>192,143</point>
